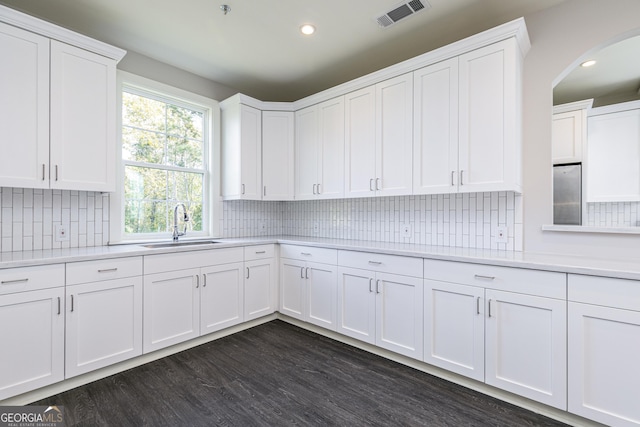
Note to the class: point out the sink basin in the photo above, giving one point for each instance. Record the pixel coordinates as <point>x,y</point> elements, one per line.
<point>180,244</point>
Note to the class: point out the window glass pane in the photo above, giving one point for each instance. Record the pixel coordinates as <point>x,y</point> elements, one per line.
<point>143,113</point>
<point>142,146</point>
<point>186,153</point>
<point>151,194</point>
<point>184,122</point>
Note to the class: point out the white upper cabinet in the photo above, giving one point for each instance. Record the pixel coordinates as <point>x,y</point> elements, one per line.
<point>277,155</point>
<point>569,131</point>
<point>24,108</point>
<point>319,144</point>
<point>490,122</point>
<point>83,121</point>
<point>241,152</point>
<point>378,139</point>
<point>435,141</point>
<point>612,170</point>
<point>57,107</point>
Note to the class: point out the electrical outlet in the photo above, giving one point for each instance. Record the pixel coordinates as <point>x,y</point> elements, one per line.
<point>61,233</point>
<point>502,234</point>
<point>405,231</point>
<point>262,227</point>
<point>316,227</point>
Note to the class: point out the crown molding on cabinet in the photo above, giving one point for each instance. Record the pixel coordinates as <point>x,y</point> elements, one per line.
<point>52,31</point>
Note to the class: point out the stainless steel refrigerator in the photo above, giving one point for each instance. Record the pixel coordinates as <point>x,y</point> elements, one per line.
<point>567,194</point>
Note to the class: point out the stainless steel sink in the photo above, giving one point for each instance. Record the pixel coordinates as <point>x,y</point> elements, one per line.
<point>180,244</point>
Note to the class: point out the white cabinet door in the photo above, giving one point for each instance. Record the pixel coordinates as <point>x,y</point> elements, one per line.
<point>221,297</point>
<point>525,346</point>
<point>259,287</point>
<point>83,125</point>
<point>292,288</point>
<point>321,282</point>
<point>24,108</point>
<point>612,171</point>
<point>251,153</point>
<point>331,149</point>
<point>171,308</point>
<point>566,137</point>
<point>306,152</point>
<point>399,311</point>
<point>103,324</point>
<point>604,349</point>
<point>360,142</point>
<point>32,337</point>
<point>454,328</point>
<point>490,118</point>
<point>435,141</point>
<point>394,136</point>
<point>357,304</point>
<point>277,155</point>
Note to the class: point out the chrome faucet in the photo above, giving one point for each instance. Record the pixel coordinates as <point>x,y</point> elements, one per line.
<point>185,218</point>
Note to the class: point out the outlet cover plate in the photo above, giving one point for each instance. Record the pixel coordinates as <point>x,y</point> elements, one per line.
<point>502,234</point>
<point>405,231</point>
<point>61,233</point>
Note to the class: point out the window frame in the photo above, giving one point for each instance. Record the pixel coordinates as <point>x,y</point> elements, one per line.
<point>211,207</point>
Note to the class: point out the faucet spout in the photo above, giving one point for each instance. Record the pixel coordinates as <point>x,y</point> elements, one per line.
<point>185,219</point>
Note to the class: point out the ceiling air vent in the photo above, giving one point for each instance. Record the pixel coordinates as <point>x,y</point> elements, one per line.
<point>401,11</point>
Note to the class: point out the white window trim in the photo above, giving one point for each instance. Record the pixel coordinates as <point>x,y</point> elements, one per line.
<point>116,205</point>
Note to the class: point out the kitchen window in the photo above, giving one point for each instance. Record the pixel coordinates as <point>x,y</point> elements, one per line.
<point>168,157</point>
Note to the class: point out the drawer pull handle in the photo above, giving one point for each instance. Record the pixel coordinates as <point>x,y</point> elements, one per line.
<point>247,272</point>
<point>261,252</point>
<point>305,253</point>
<point>108,270</point>
<point>8,282</point>
<point>370,283</point>
<point>72,303</point>
<point>377,184</point>
<point>197,281</point>
<point>58,306</point>
<point>204,280</point>
<point>302,272</point>
<point>489,308</point>
<point>377,286</point>
<point>478,306</point>
<point>43,171</point>
<point>375,262</point>
<point>306,273</point>
<point>56,172</point>
<point>371,185</point>
<point>478,276</point>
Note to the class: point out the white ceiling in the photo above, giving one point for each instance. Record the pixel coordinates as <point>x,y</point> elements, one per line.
<point>257,48</point>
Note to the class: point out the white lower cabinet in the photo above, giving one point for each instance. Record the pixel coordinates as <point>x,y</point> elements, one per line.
<point>308,288</point>
<point>604,349</point>
<point>504,326</point>
<point>380,307</point>
<point>221,297</point>
<point>179,303</point>
<point>31,328</point>
<point>259,282</point>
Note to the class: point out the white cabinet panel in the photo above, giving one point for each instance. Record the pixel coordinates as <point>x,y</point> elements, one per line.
<point>24,108</point>
<point>526,349</point>
<point>32,334</point>
<point>321,301</point>
<point>259,288</point>
<point>360,142</point>
<point>435,141</point>
<point>171,308</point>
<point>357,304</point>
<point>306,152</point>
<point>103,324</point>
<point>454,328</point>
<point>221,297</point>
<point>83,125</point>
<point>604,349</point>
<point>277,155</point>
<point>292,288</point>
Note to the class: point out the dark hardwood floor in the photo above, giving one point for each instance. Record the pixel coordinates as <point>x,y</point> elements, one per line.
<point>279,375</point>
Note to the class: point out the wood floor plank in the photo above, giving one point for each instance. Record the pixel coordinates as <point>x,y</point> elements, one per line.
<point>277,374</point>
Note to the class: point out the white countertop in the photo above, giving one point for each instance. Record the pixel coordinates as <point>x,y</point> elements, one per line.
<point>625,269</point>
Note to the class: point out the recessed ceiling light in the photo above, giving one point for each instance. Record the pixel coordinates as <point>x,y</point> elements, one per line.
<point>588,63</point>
<point>307,29</point>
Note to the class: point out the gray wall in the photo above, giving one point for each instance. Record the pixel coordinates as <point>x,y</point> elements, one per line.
<point>561,37</point>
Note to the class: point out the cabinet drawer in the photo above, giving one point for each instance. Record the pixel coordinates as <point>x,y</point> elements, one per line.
<point>605,291</point>
<point>394,264</point>
<point>258,252</point>
<point>104,269</point>
<point>191,259</point>
<point>31,278</point>
<point>533,282</point>
<point>309,253</point>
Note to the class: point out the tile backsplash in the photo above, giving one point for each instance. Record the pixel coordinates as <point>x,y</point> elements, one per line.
<point>623,214</point>
<point>28,218</point>
<point>460,220</point>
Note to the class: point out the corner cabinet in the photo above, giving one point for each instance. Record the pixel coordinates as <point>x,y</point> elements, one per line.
<point>468,135</point>
<point>57,108</point>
